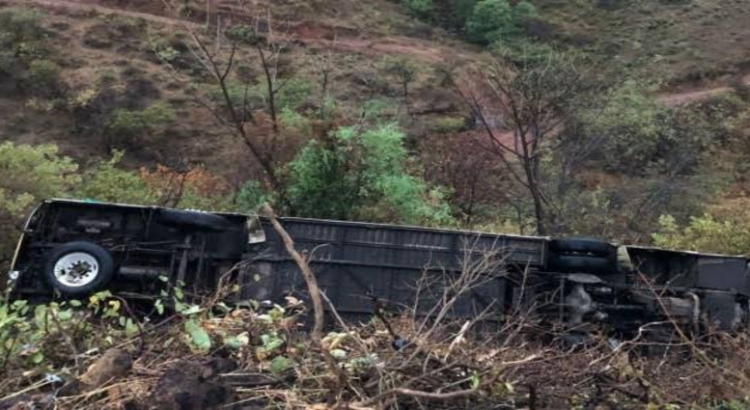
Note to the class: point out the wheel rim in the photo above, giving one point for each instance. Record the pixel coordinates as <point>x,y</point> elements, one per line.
<point>76,269</point>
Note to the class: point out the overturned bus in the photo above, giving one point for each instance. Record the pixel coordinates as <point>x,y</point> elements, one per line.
<point>73,248</point>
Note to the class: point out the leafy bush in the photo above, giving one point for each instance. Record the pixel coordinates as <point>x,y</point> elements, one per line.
<point>31,335</point>
<point>251,197</point>
<point>196,189</point>
<point>723,229</point>
<point>495,20</point>
<point>43,78</point>
<point>362,175</point>
<point>23,52</point>
<point>447,125</point>
<point>293,94</point>
<point>30,173</point>
<point>125,126</point>
<point>420,8</point>
<point>106,182</point>
<point>628,125</point>
<point>20,31</point>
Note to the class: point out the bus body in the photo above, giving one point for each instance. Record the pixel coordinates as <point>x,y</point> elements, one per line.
<point>72,248</point>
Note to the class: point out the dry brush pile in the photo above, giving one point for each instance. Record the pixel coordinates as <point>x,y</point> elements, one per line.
<point>95,356</point>
<point>181,352</point>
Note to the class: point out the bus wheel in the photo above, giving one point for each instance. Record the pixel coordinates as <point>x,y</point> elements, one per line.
<point>79,268</point>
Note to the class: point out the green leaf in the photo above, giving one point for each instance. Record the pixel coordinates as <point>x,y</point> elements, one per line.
<point>280,364</point>
<point>76,303</point>
<point>271,342</point>
<point>475,380</point>
<point>198,335</point>
<point>159,307</point>
<point>179,306</point>
<point>238,341</point>
<point>37,358</point>
<point>131,328</point>
<point>193,309</point>
<point>65,315</point>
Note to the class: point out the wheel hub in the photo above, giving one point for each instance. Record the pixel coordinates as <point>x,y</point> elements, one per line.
<point>76,269</point>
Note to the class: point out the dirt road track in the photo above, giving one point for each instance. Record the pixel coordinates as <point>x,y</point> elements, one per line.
<point>72,5</point>
<point>414,48</point>
<point>405,46</point>
<point>673,99</point>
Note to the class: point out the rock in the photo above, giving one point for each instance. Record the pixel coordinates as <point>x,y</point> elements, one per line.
<point>192,386</point>
<point>113,364</point>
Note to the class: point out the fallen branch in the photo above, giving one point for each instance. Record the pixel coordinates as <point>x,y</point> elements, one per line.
<point>401,391</point>
<point>315,295</point>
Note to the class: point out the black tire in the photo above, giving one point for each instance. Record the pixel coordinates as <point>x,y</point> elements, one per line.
<point>196,220</point>
<point>105,268</point>
<point>582,246</point>
<point>582,264</point>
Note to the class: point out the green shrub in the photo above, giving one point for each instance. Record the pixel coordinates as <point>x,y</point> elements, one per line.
<point>29,174</point>
<point>106,182</point>
<point>704,233</point>
<point>362,175</point>
<point>421,8</point>
<point>495,20</point>
<point>125,126</point>
<point>446,125</point>
<point>251,197</point>
<point>43,78</point>
<point>21,39</point>
<point>20,28</point>
<point>293,94</point>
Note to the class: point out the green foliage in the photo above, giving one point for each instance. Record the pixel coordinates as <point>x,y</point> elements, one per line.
<point>43,78</point>
<point>35,173</point>
<point>293,94</point>
<point>362,175</point>
<point>30,173</point>
<point>192,199</point>
<point>628,124</point>
<point>168,48</point>
<point>34,336</point>
<point>125,126</point>
<point>197,336</point>
<point>21,36</point>
<point>251,197</point>
<point>704,233</point>
<point>721,229</point>
<point>497,20</point>
<point>527,53</point>
<point>24,57</point>
<point>402,69</point>
<point>421,8</point>
<point>630,159</point>
<point>447,125</point>
<point>244,34</point>
<point>289,97</point>
<point>106,182</point>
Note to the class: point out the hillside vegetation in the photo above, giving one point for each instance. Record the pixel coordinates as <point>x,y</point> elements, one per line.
<point>627,120</point>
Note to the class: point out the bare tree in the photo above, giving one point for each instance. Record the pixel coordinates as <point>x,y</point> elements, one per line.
<point>521,108</point>
<point>240,59</point>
